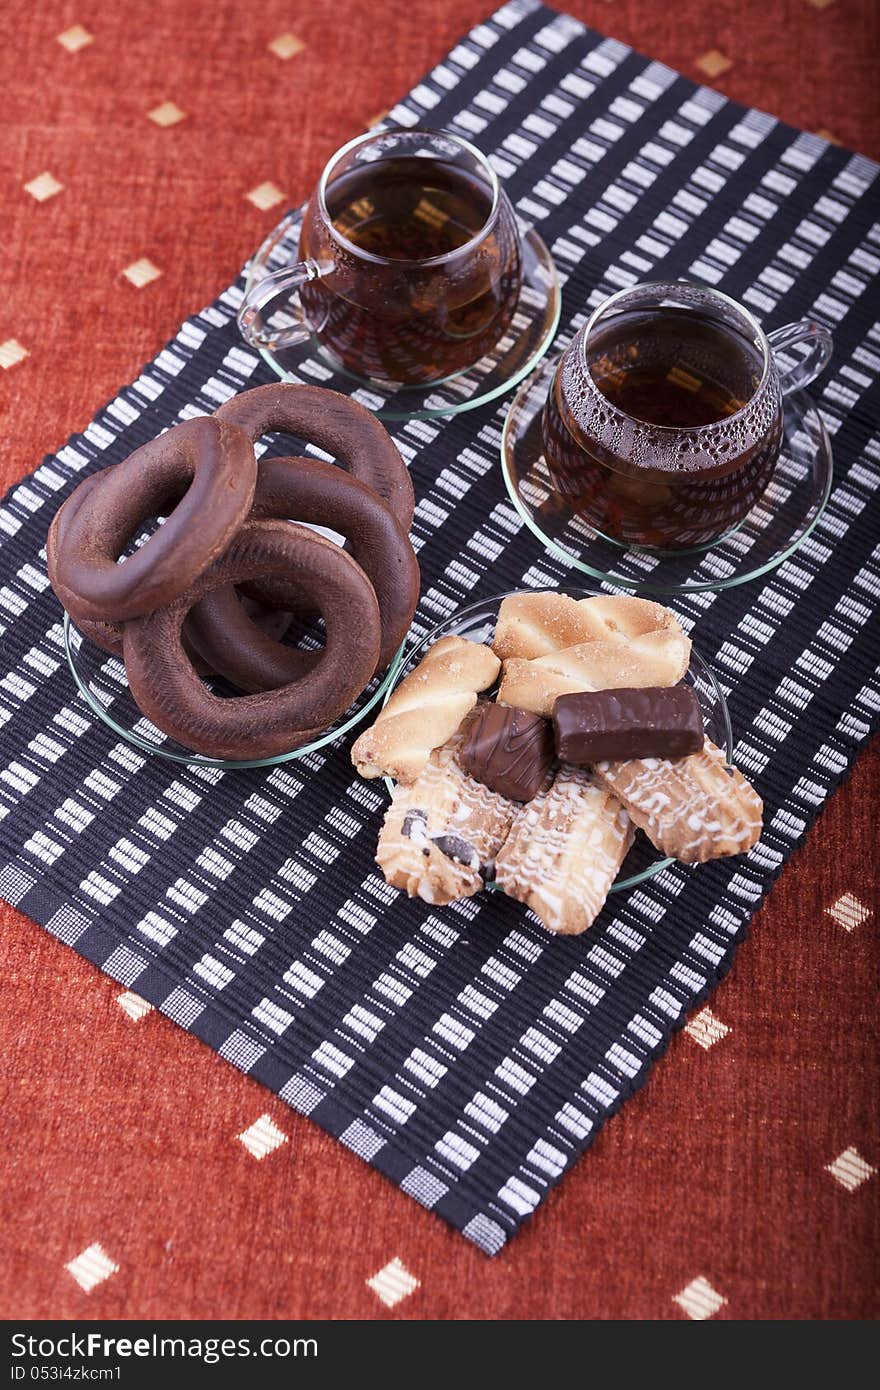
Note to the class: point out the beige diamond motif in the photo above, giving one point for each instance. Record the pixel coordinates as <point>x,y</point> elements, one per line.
<point>133,1005</point>
<point>849,912</point>
<point>286,46</point>
<point>713,63</point>
<point>825,134</point>
<point>699,1300</point>
<point>11,352</point>
<point>43,186</point>
<point>706,1029</point>
<point>166,113</point>
<point>75,38</point>
<point>393,1283</point>
<point>265,195</point>
<point>850,1169</point>
<point>141,272</point>
<point>262,1137</point>
<point>820,4</point>
<point>92,1267</point>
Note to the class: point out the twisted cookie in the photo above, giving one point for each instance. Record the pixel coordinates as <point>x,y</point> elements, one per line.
<point>426,709</point>
<point>655,659</point>
<point>554,645</point>
<point>535,624</point>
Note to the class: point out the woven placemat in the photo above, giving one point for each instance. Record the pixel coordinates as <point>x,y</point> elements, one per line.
<point>464,1052</point>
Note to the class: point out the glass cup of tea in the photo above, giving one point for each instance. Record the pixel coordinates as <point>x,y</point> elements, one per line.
<point>410,261</point>
<point>663,423</point>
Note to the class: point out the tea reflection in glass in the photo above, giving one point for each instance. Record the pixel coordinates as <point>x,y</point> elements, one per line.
<point>434,303</point>
<point>410,261</point>
<point>663,424</point>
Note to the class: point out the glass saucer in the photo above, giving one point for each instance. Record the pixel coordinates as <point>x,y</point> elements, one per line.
<point>477,623</point>
<point>515,355</point>
<point>101,681</point>
<point>779,522</point>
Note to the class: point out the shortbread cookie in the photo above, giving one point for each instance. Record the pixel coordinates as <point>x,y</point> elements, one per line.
<point>534,624</point>
<point>564,851</point>
<point>441,834</point>
<point>693,808</point>
<point>659,657</point>
<point>426,709</point>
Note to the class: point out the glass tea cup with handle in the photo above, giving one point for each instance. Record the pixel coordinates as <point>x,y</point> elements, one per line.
<point>410,261</point>
<point>664,420</point>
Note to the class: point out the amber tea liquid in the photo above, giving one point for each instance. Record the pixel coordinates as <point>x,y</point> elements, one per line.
<point>678,371</point>
<point>401,318</point>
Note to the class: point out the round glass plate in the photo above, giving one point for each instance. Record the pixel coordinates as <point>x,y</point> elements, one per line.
<point>477,623</point>
<point>515,355</point>
<point>102,683</point>
<point>778,523</point>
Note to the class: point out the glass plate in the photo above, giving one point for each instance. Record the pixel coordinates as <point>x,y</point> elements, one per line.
<point>515,355</point>
<point>477,622</point>
<point>781,521</point>
<point>101,681</point>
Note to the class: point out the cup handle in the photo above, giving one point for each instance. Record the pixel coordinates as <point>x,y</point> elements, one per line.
<point>807,367</point>
<point>251,320</point>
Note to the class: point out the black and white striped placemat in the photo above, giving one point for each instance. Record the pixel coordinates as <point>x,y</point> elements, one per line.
<point>463,1051</point>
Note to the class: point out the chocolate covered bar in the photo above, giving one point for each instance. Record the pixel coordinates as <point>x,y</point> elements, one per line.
<point>615,725</point>
<point>508,750</point>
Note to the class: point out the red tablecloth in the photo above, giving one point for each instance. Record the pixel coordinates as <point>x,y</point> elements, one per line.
<point>744,1171</point>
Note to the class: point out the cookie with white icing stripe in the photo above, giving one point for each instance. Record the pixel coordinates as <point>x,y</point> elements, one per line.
<point>694,809</point>
<point>442,832</point>
<point>564,851</point>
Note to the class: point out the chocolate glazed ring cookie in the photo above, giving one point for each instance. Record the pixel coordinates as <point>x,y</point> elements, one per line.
<point>228,638</point>
<point>108,636</point>
<point>335,423</point>
<point>319,493</point>
<point>214,463</point>
<point>169,692</point>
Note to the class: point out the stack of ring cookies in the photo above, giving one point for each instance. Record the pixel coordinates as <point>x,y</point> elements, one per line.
<point>211,592</point>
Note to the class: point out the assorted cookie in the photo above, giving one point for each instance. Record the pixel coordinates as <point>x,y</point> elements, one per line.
<point>591,737</point>
<point>442,833</point>
<point>693,809</point>
<point>509,750</point>
<point>426,709</point>
<point>564,851</point>
<point>649,722</point>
